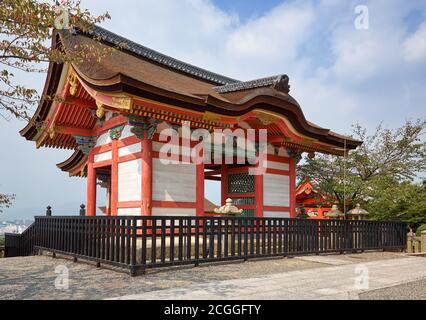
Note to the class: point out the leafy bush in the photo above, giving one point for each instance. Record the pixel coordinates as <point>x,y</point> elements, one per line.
<point>420,229</point>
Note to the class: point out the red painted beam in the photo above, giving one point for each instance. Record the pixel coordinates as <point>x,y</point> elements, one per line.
<point>74,131</point>
<point>213,178</point>
<point>173,204</point>
<point>212,173</point>
<point>80,102</point>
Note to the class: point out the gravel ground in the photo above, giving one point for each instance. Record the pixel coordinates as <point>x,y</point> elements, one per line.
<point>415,290</point>
<point>34,277</point>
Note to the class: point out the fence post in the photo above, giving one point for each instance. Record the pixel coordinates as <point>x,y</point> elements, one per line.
<point>133,250</point>
<point>82,210</point>
<point>423,240</point>
<point>48,211</point>
<point>317,235</point>
<point>410,238</point>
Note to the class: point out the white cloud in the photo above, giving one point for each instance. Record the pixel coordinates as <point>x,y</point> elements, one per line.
<point>275,36</point>
<point>415,45</point>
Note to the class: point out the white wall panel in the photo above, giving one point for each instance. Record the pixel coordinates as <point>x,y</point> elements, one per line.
<point>283,152</point>
<point>173,182</point>
<point>276,214</point>
<point>102,156</point>
<point>129,211</point>
<point>104,138</point>
<point>276,165</point>
<point>129,180</point>
<point>173,211</point>
<point>156,146</point>
<point>276,190</point>
<point>126,132</point>
<point>133,148</point>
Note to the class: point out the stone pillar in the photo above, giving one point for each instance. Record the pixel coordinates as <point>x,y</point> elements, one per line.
<point>410,240</point>
<point>423,240</point>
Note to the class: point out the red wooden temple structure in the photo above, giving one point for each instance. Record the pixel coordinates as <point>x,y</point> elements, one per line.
<point>312,201</point>
<point>112,113</point>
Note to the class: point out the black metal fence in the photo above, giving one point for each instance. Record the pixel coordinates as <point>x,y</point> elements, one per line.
<point>137,243</point>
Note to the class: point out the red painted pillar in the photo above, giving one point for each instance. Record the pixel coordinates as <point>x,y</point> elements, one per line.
<point>320,213</point>
<point>292,167</point>
<point>91,187</point>
<point>258,189</point>
<point>114,179</point>
<point>146,176</point>
<point>199,196</point>
<point>224,183</point>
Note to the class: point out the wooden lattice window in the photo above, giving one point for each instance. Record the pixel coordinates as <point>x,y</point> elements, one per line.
<point>240,183</point>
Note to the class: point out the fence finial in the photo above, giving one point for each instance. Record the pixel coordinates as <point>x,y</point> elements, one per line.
<point>82,209</point>
<point>48,211</point>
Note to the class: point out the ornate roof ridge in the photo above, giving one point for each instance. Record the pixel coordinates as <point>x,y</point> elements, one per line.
<point>279,82</point>
<point>158,57</point>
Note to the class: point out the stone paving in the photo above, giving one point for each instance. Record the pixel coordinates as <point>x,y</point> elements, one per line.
<point>34,278</point>
<point>344,281</point>
<point>415,290</point>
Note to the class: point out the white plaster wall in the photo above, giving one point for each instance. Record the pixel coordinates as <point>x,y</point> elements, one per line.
<point>276,165</point>
<point>173,182</point>
<point>129,180</point>
<point>129,211</point>
<point>102,156</point>
<point>133,148</point>
<point>172,149</point>
<point>276,190</point>
<point>173,211</point>
<point>104,138</point>
<point>282,152</point>
<point>276,214</point>
<point>108,115</point>
<point>126,132</point>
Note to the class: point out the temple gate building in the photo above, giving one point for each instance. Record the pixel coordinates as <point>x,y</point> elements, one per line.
<point>311,201</point>
<point>115,114</point>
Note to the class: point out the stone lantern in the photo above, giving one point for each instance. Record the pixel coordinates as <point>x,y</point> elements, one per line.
<point>229,209</point>
<point>358,213</point>
<point>334,213</point>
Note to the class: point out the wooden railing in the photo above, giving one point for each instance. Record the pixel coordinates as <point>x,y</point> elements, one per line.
<point>137,243</point>
<point>19,244</point>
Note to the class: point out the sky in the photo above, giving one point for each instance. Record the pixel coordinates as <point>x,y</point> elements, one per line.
<point>342,70</point>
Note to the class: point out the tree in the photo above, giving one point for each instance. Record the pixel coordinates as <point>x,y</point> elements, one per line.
<point>25,29</point>
<point>6,201</point>
<point>380,170</point>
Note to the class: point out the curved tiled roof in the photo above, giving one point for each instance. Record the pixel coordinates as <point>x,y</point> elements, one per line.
<point>280,81</point>
<point>138,70</point>
<point>147,53</point>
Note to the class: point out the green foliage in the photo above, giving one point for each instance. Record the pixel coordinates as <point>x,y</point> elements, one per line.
<point>379,174</point>
<point>398,201</point>
<point>25,30</point>
<point>420,229</point>
<point>6,201</point>
<point>1,241</point>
